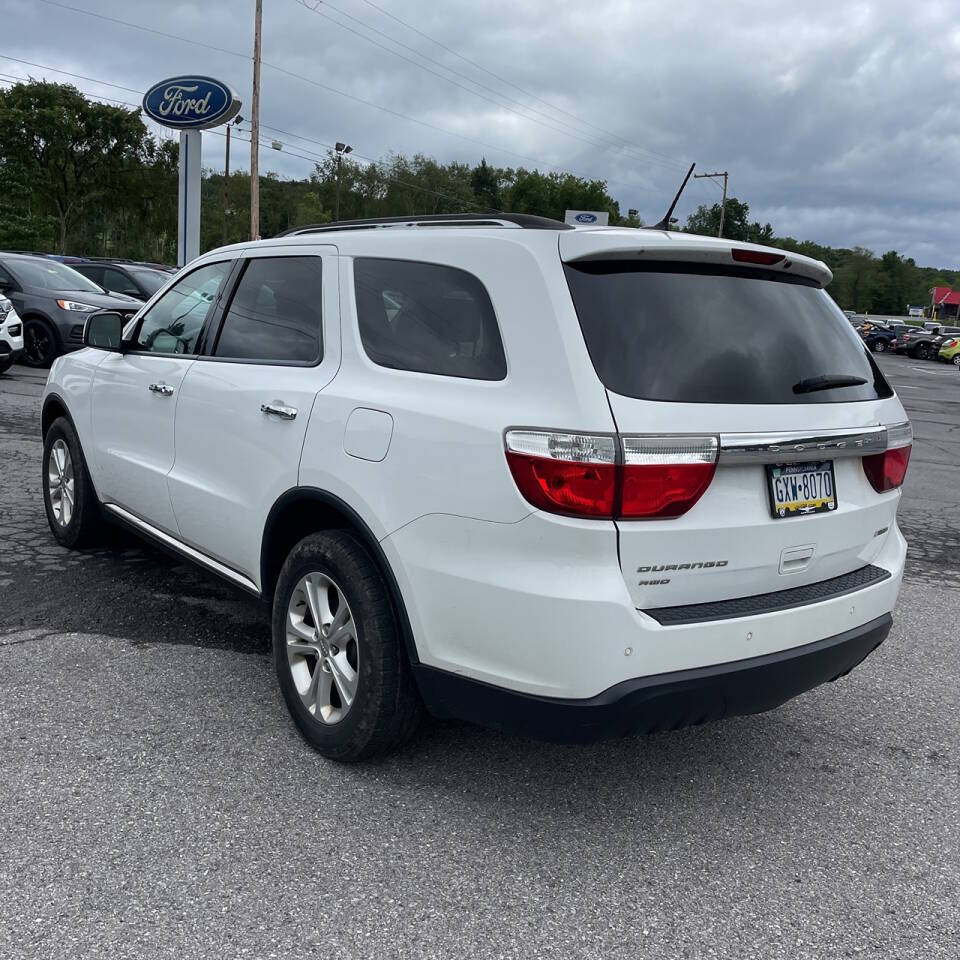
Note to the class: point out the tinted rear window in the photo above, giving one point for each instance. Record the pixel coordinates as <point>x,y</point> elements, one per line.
<point>663,331</point>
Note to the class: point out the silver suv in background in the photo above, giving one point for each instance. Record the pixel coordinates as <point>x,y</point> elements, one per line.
<point>53,301</point>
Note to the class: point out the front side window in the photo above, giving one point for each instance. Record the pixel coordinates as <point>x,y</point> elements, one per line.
<point>174,322</point>
<point>276,312</point>
<point>118,282</point>
<point>427,318</point>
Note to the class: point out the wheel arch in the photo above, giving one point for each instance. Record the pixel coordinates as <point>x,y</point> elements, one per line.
<point>54,407</point>
<point>305,510</point>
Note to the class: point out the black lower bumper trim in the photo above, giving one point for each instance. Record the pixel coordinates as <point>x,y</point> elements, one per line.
<point>649,704</point>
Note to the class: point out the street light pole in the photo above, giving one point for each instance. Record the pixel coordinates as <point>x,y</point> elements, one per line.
<point>341,148</point>
<point>255,129</point>
<point>226,186</point>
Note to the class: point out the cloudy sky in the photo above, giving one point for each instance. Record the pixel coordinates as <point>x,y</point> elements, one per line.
<point>838,121</point>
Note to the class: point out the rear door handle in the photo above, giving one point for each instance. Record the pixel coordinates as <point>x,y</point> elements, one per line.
<point>279,410</point>
<point>162,389</point>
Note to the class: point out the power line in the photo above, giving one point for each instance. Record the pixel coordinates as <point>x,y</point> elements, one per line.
<point>315,83</point>
<point>516,86</point>
<point>314,7</point>
<point>314,158</point>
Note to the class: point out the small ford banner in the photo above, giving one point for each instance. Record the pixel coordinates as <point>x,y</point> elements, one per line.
<point>191,103</point>
<point>587,218</point>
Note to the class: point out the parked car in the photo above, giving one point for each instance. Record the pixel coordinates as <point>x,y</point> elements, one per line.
<point>919,344</point>
<point>53,300</point>
<point>879,338</point>
<point>130,279</point>
<point>11,335</point>
<point>465,462</point>
<point>950,350</point>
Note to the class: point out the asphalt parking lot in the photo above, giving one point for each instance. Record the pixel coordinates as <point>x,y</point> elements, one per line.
<point>157,801</point>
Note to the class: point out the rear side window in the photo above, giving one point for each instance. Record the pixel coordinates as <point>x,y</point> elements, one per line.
<point>275,314</point>
<point>427,318</point>
<point>697,334</point>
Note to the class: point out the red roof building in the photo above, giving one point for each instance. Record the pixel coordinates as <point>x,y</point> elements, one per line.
<point>944,303</point>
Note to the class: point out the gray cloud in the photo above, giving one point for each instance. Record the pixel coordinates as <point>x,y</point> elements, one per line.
<point>838,122</point>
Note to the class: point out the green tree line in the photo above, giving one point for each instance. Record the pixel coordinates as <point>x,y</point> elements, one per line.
<point>83,177</point>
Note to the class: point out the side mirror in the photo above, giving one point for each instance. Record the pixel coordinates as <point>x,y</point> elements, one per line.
<point>104,331</point>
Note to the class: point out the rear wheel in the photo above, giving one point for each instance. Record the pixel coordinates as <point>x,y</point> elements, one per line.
<point>73,511</point>
<point>39,343</point>
<point>956,360</point>
<point>879,346</point>
<point>339,653</point>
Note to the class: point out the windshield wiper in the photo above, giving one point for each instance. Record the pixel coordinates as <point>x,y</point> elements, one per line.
<point>827,382</point>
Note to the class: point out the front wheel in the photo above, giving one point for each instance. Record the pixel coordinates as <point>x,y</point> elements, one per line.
<point>339,652</point>
<point>5,364</point>
<point>73,511</point>
<point>879,346</point>
<point>39,343</point>
<point>956,360</point>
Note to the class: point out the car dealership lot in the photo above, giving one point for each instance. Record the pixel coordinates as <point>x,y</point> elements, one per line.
<point>158,801</point>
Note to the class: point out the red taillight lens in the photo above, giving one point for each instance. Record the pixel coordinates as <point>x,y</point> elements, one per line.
<point>888,470</point>
<point>665,476</point>
<point>588,476</point>
<point>757,256</point>
<point>568,473</point>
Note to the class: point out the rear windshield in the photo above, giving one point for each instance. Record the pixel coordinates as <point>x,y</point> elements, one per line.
<point>698,334</point>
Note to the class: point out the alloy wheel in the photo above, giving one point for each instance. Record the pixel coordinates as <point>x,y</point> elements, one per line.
<point>322,648</point>
<point>38,345</point>
<point>61,483</point>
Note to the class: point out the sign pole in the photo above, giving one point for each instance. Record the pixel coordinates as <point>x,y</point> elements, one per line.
<point>188,217</point>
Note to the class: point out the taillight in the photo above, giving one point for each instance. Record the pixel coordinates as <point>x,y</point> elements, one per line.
<point>665,476</point>
<point>757,256</point>
<point>888,470</point>
<point>570,473</point>
<point>611,477</point>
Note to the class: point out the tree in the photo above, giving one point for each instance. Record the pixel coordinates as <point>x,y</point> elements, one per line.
<point>70,149</point>
<point>485,181</point>
<point>736,223</point>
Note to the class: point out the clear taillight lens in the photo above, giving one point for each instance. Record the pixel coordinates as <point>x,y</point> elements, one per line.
<point>586,475</point>
<point>665,476</point>
<point>888,470</point>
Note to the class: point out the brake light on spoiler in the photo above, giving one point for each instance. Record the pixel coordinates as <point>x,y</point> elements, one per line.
<point>611,477</point>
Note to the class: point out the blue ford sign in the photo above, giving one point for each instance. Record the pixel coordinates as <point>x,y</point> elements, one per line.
<point>191,103</point>
<point>586,218</point>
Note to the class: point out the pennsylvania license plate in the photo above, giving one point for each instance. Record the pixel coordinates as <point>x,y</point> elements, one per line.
<point>801,488</point>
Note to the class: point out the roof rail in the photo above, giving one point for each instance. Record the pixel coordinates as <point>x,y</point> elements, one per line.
<point>525,221</point>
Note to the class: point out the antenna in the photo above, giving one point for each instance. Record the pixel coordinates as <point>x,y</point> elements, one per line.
<point>664,224</point>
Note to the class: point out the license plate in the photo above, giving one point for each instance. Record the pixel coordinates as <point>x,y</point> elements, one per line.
<point>801,488</point>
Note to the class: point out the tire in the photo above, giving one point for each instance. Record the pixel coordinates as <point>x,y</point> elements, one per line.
<point>956,360</point>
<point>322,572</point>
<point>927,352</point>
<point>81,523</point>
<point>40,344</point>
<point>879,346</point>
<point>5,364</point>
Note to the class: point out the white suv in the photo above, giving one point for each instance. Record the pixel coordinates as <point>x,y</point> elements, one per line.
<point>11,335</point>
<point>571,482</point>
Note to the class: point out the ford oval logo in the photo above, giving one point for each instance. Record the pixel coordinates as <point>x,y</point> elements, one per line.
<point>191,103</point>
<point>586,218</point>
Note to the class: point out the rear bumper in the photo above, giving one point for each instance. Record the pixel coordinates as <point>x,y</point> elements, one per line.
<point>649,704</point>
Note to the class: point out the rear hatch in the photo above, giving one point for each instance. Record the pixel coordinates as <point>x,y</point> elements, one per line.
<point>749,364</point>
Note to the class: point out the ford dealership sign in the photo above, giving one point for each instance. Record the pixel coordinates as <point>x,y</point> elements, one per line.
<point>587,218</point>
<point>191,103</point>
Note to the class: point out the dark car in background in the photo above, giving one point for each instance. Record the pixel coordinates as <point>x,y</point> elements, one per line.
<point>54,301</point>
<point>878,337</point>
<point>131,279</point>
<point>924,344</point>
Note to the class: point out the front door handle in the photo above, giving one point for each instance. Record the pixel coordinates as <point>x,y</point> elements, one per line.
<point>279,410</point>
<point>162,389</point>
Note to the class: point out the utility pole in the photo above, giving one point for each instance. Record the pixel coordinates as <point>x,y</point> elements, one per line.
<point>723,203</point>
<point>255,130</point>
<point>226,185</point>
